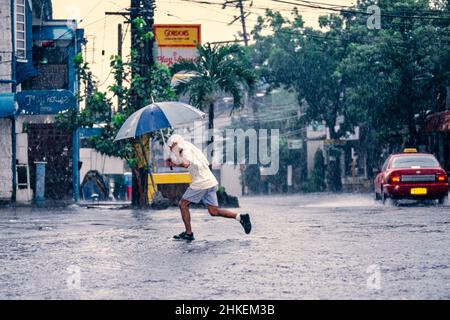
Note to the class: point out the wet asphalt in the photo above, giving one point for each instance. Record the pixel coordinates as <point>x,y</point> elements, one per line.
<point>325,246</point>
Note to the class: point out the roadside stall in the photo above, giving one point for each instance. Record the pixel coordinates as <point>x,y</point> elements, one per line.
<point>152,119</point>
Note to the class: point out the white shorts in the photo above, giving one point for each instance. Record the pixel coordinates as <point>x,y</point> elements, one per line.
<point>207,196</point>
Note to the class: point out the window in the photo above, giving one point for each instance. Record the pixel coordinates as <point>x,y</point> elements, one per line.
<point>415,162</point>
<point>21,43</point>
<point>385,165</point>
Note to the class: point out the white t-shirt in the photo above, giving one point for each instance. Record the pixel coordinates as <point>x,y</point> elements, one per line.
<point>202,177</point>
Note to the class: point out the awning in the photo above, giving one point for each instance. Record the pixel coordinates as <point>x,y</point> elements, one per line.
<point>7,105</point>
<point>56,32</point>
<point>61,32</point>
<point>25,71</point>
<point>437,122</point>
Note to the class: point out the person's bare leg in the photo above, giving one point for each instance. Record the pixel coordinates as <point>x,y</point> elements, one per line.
<point>215,211</point>
<point>185,215</point>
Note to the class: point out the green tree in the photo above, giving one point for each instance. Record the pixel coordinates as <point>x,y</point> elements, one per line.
<point>385,81</point>
<point>136,85</point>
<point>395,74</point>
<point>307,61</point>
<point>218,70</point>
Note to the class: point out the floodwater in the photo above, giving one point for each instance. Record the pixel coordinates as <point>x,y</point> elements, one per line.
<point>324,246</point>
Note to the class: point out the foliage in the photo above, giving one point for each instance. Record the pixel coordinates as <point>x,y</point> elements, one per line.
<point>218,70</point>
<point>315,79</point>
<point>97,104</point>
<point>399,69</point>
<point>385,81</point>
<point>132,90</point>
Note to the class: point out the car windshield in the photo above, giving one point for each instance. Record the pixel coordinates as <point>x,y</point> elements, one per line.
<point>415,162</point>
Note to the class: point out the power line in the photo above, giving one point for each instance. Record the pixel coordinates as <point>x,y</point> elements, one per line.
<point>362,12</point>
<point>195,19</point>
<point>91,10</point>
<point>318,4</point>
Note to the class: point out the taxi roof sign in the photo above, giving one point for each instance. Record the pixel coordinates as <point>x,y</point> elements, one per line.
<point>410,150</point>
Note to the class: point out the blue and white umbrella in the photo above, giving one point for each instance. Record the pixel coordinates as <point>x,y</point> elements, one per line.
<point>159,115</point>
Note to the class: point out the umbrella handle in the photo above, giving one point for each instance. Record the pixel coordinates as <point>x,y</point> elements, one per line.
<point>164,141</point>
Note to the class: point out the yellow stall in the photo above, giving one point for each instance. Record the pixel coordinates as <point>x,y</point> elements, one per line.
<point>164,180</point>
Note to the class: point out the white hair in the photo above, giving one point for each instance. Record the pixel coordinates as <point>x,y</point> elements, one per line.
<point>175,138</point>
<point>175,155</point>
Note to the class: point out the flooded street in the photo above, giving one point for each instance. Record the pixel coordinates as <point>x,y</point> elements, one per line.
<point>301,247</point>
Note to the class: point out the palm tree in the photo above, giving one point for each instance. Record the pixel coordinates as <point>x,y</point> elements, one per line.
<point>218,70</point>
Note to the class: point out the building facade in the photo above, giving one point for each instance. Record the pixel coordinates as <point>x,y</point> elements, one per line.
<point>37,81</point>
<point>7,108</point>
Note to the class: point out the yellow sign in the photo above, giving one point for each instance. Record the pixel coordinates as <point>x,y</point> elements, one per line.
<point>418,191</point>
<point>177,35</point>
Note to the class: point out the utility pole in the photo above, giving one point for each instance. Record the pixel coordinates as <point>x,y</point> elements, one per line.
<point>140,9</point>
<point>148,10</point>
<point>242,16</point>
<point>134,14</point>
<point>119,39</point>
<point>244,28</point>
<point>143,9</point>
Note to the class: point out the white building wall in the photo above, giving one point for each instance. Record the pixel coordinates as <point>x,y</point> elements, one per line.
<point>5,160</point>
<point>5,45</point>
<point>5,124</point>
<point>93,160</point>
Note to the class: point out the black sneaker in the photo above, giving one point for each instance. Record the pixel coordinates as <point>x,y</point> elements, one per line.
<point>184,236</point>
<point>245,221</point>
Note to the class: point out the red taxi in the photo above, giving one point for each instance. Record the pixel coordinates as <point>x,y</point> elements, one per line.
<point>411,175</point>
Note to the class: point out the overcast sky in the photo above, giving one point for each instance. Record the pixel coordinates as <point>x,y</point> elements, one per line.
<point>101,30</point>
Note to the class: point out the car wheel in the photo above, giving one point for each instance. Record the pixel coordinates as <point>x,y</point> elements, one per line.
<point>443,200</point>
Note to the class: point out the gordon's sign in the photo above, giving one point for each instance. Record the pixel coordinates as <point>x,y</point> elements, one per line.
<point>177,35</point>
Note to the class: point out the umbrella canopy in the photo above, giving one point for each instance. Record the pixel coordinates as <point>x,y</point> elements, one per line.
<point>160,115</point>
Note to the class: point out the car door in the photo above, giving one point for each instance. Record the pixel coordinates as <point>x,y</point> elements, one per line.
<point>379,180</point>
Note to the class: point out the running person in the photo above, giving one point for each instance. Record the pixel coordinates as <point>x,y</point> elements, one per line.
<point>203,187</point>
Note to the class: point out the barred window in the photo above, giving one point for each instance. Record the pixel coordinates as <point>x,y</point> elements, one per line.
<point>21,44</point>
